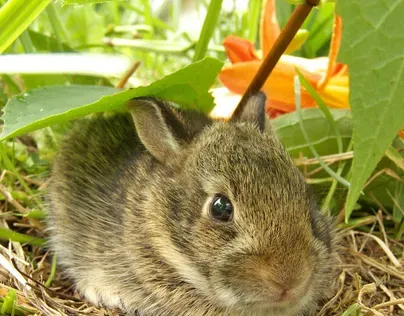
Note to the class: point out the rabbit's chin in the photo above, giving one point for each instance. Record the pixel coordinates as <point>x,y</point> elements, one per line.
<point>266,306</point>
<point>276,308</point>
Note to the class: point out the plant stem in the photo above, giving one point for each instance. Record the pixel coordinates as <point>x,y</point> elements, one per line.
<point>52,274</point>
<point>281,44</point>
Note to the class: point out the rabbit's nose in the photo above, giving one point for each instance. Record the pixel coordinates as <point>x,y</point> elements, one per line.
<point>284,282</point>
<point>290,290</point>
<point>282,292</point>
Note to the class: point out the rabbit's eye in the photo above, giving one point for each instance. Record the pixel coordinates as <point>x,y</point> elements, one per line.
<point>221,208</point>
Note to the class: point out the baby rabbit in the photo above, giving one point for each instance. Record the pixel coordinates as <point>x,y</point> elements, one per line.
<point>170,213</point>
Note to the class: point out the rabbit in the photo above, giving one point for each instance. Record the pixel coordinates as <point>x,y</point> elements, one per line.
<point>164,212</point>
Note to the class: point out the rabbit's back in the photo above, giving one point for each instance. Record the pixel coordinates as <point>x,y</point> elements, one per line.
<point>99,182</point>
<point>86,210</point>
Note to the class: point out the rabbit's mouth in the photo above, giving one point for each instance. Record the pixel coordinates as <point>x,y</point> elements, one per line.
<point>282,300</point>
<point>281,308</point>
<point>274,300</point>
<point>266,288</point>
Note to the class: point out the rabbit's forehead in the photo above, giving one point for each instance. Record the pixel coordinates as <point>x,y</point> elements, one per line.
<point>247,165</point>
<point>256,194</point>
<point>248,169</point>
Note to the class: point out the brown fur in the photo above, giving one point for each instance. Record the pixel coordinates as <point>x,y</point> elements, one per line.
<point>132,230</point>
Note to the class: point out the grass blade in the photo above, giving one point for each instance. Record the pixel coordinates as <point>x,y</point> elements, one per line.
<point>8,164</point>
<point>207,29</point>
<point>8,234</point>
<point>313,150</point>
<point>254,10</point>
<point>27,42</point>
<point>353,310</point>
<point>52,274</point>
<point>395,157</point>
<point>313,93</point>
<point>57,27</point>
<point>15,17</point>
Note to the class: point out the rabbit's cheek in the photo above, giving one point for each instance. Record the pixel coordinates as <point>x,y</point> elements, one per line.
<point>226,296</point>
<point>261,275</point>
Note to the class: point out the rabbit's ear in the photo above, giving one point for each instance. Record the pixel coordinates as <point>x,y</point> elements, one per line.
<point>157,126</point>
<point>253,111</point>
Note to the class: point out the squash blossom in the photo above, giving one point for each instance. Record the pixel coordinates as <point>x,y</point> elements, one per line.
<point>329,78</point>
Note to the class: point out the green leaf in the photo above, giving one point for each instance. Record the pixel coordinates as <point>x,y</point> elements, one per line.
<point>376,83</point>
<point>318,128</point>
<point>15,17</point>
<point>42,107</point>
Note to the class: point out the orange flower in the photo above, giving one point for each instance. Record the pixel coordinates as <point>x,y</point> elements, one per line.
<point>329,78</point>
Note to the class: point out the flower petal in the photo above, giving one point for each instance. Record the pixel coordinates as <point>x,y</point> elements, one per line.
<point>273,113</point>
<point>334,49</point>
<point>278,87</point>
<point>239,49</point>
<point>270,29</point>
<point>336,93</point>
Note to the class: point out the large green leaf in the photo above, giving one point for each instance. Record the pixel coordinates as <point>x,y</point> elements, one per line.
<point>320,131</point>
<point>372,47</point>
<point>42,107</point>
